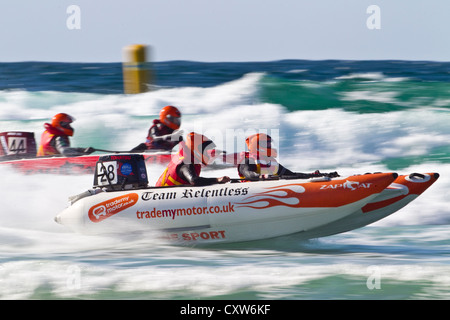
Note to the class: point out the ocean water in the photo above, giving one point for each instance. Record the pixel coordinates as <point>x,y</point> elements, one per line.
<point>346,116</point>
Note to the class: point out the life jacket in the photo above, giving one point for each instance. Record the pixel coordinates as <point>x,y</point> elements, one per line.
<point>264,164</point>
<point>159,129</point>
<point>47,148</point>
<point>170,176</point>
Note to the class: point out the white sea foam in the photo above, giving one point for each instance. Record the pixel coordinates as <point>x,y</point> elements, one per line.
<point>371,76</point>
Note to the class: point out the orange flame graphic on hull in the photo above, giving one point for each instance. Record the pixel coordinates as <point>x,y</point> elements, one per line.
<point>285,195</point>
<point>326,194</point>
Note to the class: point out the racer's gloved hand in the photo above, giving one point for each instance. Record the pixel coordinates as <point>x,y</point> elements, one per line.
<point>223,179</point>
<point>332,174</point>
<point>317,173</point>
<point>177,135</point>
<point>269,177</point>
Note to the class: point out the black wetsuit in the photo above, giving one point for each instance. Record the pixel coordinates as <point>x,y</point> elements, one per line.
<point>188,173</point>
<point>249,170</point>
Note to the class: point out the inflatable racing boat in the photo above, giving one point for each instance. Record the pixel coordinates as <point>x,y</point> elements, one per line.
<point>73,165</point>
<point>18,150</point>
<point>121,202</point>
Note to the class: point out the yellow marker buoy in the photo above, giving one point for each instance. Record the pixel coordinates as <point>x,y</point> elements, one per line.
<point>135,69</point>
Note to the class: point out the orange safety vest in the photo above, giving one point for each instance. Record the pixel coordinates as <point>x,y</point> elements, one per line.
<point>46,148</point>
<point>264,165</point>
<point>170,176</point>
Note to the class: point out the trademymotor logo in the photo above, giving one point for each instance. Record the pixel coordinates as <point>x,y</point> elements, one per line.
<point>172,213</point>
<point>110,207</point>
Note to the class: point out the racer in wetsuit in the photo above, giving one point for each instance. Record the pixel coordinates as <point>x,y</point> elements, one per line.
<point>55,138</point>
<point>259,162</point>
<point>164,134</point>
<point>185,167</point>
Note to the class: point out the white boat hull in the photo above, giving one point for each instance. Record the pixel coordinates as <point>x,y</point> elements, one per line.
<point>225,213</point>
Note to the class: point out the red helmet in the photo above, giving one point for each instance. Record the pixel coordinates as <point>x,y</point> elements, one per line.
<point>62,122</point>
<point>201,148</point>
<point>261,144</point>
<point>170,116</point>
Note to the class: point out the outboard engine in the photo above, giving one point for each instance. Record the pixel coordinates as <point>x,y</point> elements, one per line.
<point>120,172</point>
<point>17,145</point>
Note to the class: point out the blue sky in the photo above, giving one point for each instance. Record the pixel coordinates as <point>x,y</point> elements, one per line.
<point>224,30</point>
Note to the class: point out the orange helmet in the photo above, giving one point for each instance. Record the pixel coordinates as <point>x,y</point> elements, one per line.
<point>261,144</point>
<point>62,122</point>
<point>170,116</point>
<point>201,148</point>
